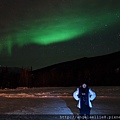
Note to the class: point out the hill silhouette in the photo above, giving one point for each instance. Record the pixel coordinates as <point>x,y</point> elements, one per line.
<point>99,70</point>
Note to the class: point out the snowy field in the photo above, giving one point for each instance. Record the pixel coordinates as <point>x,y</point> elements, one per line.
<point>47,102</point>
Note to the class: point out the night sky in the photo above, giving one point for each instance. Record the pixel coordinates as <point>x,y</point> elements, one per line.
<point>41,33</point>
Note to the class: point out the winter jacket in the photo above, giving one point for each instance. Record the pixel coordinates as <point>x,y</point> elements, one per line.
<point>91,97</point>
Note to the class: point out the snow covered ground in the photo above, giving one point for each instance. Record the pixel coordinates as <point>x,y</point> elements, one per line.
<point>47,101</point>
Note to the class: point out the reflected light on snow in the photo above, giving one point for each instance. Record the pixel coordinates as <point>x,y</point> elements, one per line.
<point>36,95</point>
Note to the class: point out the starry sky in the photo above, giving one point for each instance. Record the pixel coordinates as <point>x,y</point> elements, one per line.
<point>41,33</point>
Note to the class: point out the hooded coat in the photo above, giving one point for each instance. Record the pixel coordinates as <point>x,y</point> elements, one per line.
<point>91,97</point>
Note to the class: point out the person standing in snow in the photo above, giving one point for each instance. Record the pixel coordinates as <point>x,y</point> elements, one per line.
<point>84,96</point>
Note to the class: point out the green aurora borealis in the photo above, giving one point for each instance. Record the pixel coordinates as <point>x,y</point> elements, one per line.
<point>40,33</point>
<point>57,24</point>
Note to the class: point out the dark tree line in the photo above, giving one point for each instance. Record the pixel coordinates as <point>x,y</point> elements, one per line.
<point>13,78</point>
<point>60,76</point>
